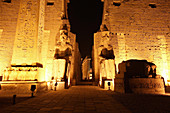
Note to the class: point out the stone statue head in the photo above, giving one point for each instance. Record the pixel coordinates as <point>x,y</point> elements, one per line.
<point>106,40</point>
<point>64,33</point>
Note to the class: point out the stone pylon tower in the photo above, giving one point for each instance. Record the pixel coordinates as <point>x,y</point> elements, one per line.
<point>29,30</point>
<point>140,30</point>
<point>22,38</point>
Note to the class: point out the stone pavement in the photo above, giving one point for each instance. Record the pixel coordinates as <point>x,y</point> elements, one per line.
<point>77,99</point>
<point>90,99</point>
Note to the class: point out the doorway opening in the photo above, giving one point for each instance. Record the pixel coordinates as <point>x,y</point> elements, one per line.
<point>85,19</point>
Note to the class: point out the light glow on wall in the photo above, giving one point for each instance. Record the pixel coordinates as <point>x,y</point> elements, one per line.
<point>59,69</point>
<point>164,74</point>
<point>107,71</point>
<point>46,75</point>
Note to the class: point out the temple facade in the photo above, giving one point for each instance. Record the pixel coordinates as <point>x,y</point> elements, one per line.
<point>36,43</point>
<point>137,29</point>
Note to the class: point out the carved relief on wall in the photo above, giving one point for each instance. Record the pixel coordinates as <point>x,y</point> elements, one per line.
<point>20,73</point>
<point>27,27</point>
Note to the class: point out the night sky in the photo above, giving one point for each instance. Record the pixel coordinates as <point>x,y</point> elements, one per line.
<point>85,17</point>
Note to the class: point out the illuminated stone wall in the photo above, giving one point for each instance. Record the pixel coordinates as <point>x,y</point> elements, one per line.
<point>140,29</point>
<point>77,65</point>
<point>44,53</point>
<point>86,68</point>
<point>21,73</point>
<point>8,22</point>
<point>103,39</point>
<point>29,32</point>
<point>75,58</point>
<point>53,23</point>
<point>53,12</point>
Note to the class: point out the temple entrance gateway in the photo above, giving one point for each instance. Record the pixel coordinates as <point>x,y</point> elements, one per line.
<point>38,47</point>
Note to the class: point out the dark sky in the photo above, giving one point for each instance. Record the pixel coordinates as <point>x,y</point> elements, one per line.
<point>85,17</point>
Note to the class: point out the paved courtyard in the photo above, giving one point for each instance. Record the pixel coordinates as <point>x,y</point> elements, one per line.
<point>90,99</point>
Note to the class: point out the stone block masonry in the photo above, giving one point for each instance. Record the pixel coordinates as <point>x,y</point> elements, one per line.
<point>28,36</point>
<point>142,31</point>
<point>9,12</point>
<point>8,23</point>
<point>29,30</point>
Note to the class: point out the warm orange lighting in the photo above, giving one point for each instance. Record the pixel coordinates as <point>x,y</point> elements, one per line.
<point>107,70</point>
<point>48,83</point>
<point>59,69</point>
<point>165,75</point>
<point>46,75</point>
<point>68,74</point>
<point>107,87</point>
<point>100,82</point>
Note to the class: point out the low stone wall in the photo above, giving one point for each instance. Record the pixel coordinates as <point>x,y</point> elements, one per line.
<point>147,85</point>
<point>140,85</point>
<point>21,88</point>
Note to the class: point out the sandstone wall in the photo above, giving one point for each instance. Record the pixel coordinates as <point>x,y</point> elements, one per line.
<point>29,32</point>
<point>8,27</point>
<point>53,21</point>
<point>140,31</point>
<point>77,66</point>
<point>53,12</point>
<point>8,23</point>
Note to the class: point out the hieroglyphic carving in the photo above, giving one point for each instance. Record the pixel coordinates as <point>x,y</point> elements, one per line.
<point>41,27</point>
<point>147,85</point>
<point>25,45</point>
<point>26,31</point>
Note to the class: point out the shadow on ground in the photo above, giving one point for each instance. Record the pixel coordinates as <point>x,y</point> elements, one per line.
<point>8,101</point>
<point>144,103</point>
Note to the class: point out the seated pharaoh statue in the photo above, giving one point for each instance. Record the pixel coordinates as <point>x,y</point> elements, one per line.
<point>63,55</point>
<point>63,46</point>
<point>105,48</point>
<point>106,56</point>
